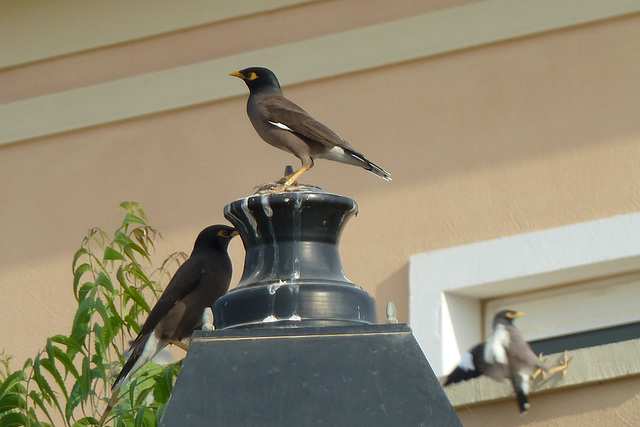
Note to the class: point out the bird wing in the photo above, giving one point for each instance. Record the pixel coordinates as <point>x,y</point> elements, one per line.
<point>496,349</point>
<point>182,282</point>
<point>281,112</point>
<point>521,354</point>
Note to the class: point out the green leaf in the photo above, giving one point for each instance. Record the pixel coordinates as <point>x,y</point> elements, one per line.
<point>105,282</point>
<point>80,327</point>
<point>145,237</point>
<point>132,323</point>
<point>160,412</point>
<point>45,389</point>
<point>138,274</point>
<point>99,364</point>
<point>11,382</point>
<point>85,379</point>
<point>35,397</point>
<point>145,417</point>
<point>14,419</point>
<point>131,207</point>
<point>97,335</point>
<point>143,392</point>
<point>86,421</point>
<point>79,254</point>
<point>75,398</point>
<point>132,292</point>
<point>115,319</point>
<point>131,218</point>
<point>164,383</point>
<point>66,362</point>
<point>50,366</point>
<point>121,239</point>
<point>72,346</point>
<point>77,274</point>
<point>110,254</point>
<point>84,291</point>
<point>27,364</point>
<point>12,401</point>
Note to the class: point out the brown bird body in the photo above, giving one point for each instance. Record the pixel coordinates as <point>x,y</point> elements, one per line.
<point>197,284</point>
<point>285,125</point>
<point>505,355</point>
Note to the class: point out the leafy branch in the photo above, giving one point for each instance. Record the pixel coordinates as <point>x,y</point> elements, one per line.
<point>69,380</point>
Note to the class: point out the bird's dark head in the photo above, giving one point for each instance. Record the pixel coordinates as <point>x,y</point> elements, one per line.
<point>506,317</point>
<point>258,78</point>
<point>215,237</point>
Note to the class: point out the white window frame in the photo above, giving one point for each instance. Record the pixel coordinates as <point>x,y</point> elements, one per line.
<point>574,308</point>
<point>447,287</point>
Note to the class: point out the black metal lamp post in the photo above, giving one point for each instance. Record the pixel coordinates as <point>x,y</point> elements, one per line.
<point>296,343</point>
<point>292,272</point>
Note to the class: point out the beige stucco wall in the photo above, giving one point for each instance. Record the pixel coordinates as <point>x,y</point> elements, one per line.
<point>497,140</point>
<point>612,404</point>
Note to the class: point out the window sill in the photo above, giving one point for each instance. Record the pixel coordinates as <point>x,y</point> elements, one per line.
<point>588,365</point>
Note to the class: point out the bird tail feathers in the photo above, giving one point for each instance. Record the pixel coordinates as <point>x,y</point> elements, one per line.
<point>523,402</point>
<point>370,166</point>
<point>142,351</point>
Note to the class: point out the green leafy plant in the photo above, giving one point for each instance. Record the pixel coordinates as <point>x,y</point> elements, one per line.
<point>69,380</point>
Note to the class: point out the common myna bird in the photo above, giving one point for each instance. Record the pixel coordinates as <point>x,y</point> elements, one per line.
<point>196,285</point>
<point>286,126</point>
<point>505,355</point>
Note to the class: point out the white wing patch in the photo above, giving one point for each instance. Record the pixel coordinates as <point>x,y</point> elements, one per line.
<point>466,363</point>
<point>496,349</point>
<point>281,126</point>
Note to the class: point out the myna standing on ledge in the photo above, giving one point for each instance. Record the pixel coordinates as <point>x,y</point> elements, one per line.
<point>286,126</point>
<point>197,284</point>
<point>505,355</point>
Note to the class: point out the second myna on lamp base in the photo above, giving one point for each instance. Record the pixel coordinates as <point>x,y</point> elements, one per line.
<point>286,126</point>
<point>196,285</point>
<point>505,355</point>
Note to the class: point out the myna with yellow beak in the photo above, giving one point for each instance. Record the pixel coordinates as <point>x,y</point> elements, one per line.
<point>286,126</point>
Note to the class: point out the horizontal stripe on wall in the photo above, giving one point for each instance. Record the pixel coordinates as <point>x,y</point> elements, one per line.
<point>355,50</point>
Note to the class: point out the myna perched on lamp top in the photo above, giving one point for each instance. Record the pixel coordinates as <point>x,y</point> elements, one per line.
<point>286,126</point>
<point>505,355</point>
<point>196,285</point>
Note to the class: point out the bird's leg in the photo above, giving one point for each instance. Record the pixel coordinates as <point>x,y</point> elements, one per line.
<point>285,183</point>
<point>539,370</point>
<point>288,183</point>
<point>180,344</point>
<point>294,177</point>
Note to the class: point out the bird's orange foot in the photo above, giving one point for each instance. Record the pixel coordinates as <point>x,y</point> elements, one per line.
<point>279,187</point>
<point>539,371</point>
<point>562,367</point>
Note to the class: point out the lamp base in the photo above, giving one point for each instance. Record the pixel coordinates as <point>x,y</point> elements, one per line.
<point>368,375</point>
